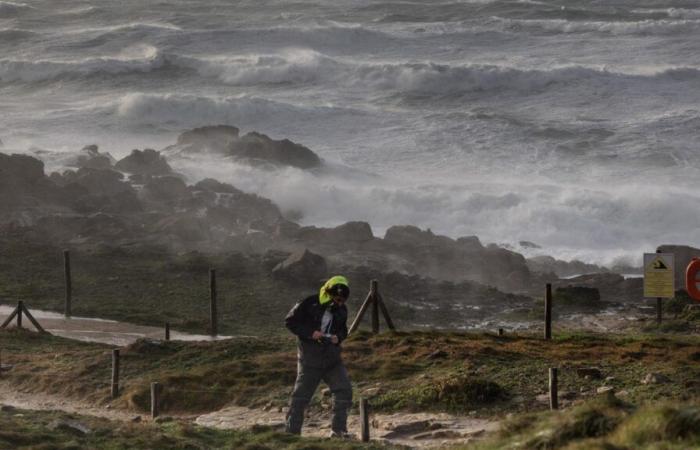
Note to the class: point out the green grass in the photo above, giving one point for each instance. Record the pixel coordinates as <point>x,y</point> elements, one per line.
<point>606,423</point>
<point>23,429</point>
<point>476,372</point>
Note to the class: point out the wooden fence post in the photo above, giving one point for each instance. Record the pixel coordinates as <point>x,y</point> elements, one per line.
<point>20,309</point>
<point>548,312</point>
<point>213,330</point>
<point>659,312</point>
<point>364,420</point>
<point>167,331</point>
<point>500,332</point>
<point>553,389</point>
<point>155,399</point>
<point>69,285</point>
<point>375,307</point>
<point>115,373</point>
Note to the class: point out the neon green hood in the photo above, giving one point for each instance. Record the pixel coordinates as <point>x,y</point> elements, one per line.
<point>323,295</point>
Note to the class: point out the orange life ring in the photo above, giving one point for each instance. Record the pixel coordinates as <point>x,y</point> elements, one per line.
<point>691,281</point>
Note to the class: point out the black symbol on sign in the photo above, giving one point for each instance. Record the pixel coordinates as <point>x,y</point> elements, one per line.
<point>658,264</point>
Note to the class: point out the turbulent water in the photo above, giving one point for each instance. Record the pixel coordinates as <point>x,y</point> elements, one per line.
<point>571,124</point>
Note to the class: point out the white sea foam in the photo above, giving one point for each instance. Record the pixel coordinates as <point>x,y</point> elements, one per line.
<point>596,224</point>
<point>10,9</point>
<point>644,27</point>
<point>140,59</point>
<point>189,110</point>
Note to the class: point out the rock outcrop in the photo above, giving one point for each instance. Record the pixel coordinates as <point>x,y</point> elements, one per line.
<point>146,162</point>
<point>252,148</point>
<point>302,267</point>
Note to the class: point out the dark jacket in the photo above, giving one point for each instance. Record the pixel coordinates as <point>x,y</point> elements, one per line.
<point>304,319</point>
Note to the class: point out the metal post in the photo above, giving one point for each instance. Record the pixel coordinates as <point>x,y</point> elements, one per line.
<point>553,389</point>
<point>375,307</point>
<point>659,312</point>
<point>548,312</point>
<point>69,286</point>
<point>115,373</point>
<point>155,399</point>
<point>364,420</point>
<point>212,303</point>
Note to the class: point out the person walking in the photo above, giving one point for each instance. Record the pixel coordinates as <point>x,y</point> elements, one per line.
<point>320,324</point>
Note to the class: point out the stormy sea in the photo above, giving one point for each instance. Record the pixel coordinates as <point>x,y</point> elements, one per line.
<point>571,125</point>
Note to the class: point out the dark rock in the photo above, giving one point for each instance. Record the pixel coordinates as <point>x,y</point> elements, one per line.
<point>20,170</point>
<point>655,378</point>
<point>185,227</point>
<point>528,244</point>
<point>98,181</point>
<point>7,408</point>
<point>164,189</point>
<point>352,232</point>
<point>548,264</point>
<point>590,372</point>
<point>147,162</point>
<point>255,147</point>
<point>211,185</point>
<point>216,137</point>
<point>274,257</point>
<point>91,158</point>
<point>302,267</point>
<point>470,243</point>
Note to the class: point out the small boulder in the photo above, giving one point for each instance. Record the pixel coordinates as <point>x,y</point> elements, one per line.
<point>147,162</point>
<point>302,267</point>
<point>164,189</point>
<point>216,137</point>
<point>655,378</point>
<point>590,372</point>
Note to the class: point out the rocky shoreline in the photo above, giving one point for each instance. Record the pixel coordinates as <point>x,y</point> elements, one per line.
<point>141,201</point>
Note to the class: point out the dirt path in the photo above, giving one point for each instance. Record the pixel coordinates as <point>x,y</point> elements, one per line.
<point>420,430</point>
<point>43,402</point>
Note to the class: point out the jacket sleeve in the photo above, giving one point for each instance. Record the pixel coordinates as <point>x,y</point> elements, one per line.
<point>296,321</point>
<point>343,327</point>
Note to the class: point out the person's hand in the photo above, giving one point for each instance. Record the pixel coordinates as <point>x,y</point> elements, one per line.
<point>317,335</point>
<point>334,339</point>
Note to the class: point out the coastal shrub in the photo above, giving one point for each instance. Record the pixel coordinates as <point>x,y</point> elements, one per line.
<point>452,392</point>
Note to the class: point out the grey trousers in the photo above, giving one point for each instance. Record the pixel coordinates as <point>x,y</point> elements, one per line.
<point>308,378</point>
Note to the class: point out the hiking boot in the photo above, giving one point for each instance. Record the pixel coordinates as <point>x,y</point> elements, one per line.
<point>340,435</point>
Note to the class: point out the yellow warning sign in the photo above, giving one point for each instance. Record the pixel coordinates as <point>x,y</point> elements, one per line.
<point>658,275</point>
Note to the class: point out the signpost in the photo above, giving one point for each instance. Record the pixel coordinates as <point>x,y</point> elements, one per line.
<point>658,278</point>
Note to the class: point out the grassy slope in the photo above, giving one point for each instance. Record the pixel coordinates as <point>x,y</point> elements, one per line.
<point>21,429</point>
<point>485,373</point>
<point>606,423</point>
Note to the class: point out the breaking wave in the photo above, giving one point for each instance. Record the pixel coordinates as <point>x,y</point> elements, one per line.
<point>11,70</point>
<point>306,66</point>
<point>644,27</point>
<point>191,110</point>
<point>10,9</point>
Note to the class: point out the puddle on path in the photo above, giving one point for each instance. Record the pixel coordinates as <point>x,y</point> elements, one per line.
<point>88,329</point>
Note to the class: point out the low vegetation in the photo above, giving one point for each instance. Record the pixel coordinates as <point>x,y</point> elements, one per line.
<point>44,430</point>
<point>606,423</point>
<point>418,371</point>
